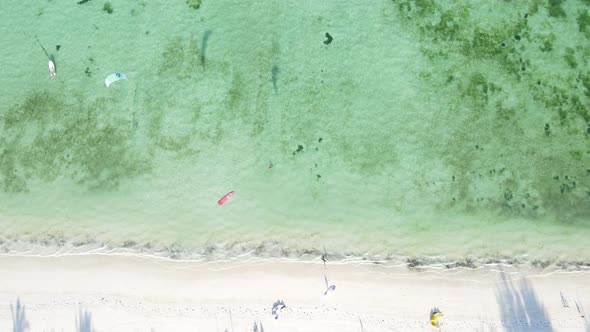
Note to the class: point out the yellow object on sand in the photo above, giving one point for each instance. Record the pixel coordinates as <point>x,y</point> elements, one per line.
<point>434,319</point>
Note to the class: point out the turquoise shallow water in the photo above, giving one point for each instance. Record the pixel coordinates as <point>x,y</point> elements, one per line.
<point>426,131</point>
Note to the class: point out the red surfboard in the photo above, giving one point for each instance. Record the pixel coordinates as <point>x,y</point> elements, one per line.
<point>225,198</point>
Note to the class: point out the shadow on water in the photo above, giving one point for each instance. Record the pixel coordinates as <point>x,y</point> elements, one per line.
<point>274,73</point>
<point>206,36</point>
<point>19,318</point>
<point>520,308</point>
<point>84,321</point>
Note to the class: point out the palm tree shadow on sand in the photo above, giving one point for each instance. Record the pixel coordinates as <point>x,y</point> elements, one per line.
<point>583,315</point>
<point>84,321</point>
<point>19,318</point>
<point>520,308</point>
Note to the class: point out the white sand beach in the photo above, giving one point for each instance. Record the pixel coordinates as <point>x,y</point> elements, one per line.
<point>123,293</point>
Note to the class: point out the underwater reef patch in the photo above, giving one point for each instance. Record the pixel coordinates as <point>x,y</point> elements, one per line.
<point>45,137</point>
<point>498,88</point>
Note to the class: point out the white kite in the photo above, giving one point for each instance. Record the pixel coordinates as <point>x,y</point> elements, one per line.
<point>114,77</point>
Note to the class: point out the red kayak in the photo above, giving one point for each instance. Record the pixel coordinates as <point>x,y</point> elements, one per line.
<point>225,198</point>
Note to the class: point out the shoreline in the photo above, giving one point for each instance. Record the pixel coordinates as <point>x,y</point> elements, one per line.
<point>123,292</point>
<point>273,251</point>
